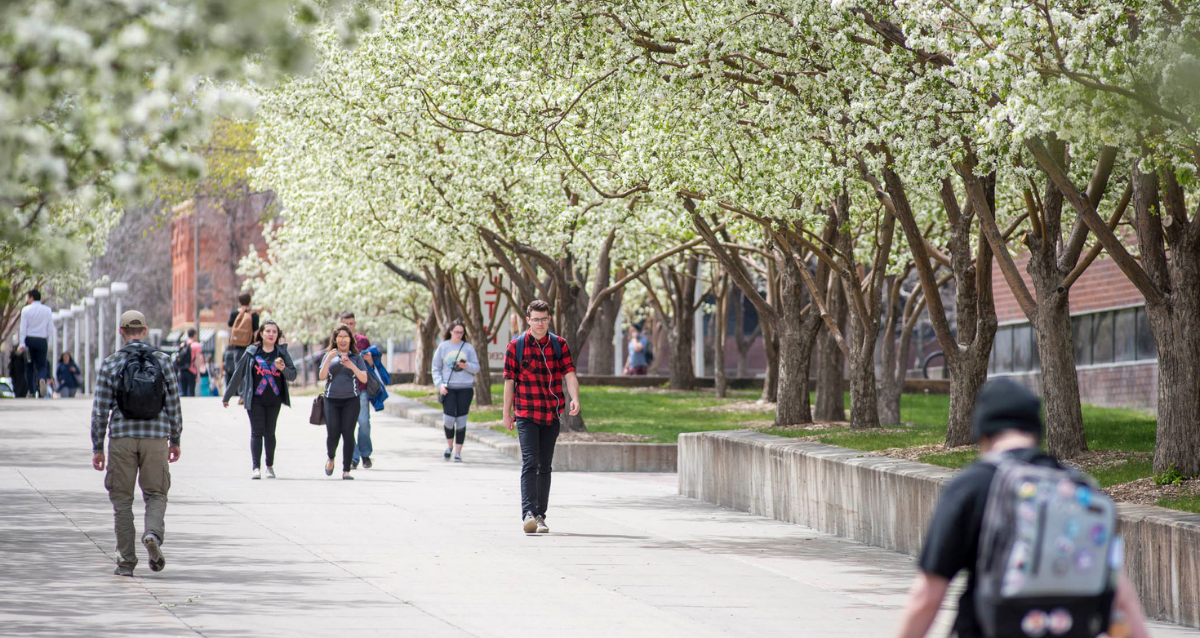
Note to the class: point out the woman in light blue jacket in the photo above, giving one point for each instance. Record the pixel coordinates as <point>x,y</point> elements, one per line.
<point>454,367</point>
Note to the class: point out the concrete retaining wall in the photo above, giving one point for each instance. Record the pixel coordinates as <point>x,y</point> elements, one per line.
<point>887,503</point>
<point>568,456</point>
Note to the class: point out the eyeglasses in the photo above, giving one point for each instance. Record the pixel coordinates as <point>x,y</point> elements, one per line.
<point>540,320</point>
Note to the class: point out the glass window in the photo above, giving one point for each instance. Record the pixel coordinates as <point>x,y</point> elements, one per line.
<point>1102,337</point>
<point>1146,349</point>
<point>1081,334</point>
<point>1022,344</point>
<point>1004,350</point>
<point>1124,335</point>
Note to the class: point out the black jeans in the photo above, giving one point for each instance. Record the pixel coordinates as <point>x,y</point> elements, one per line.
<point>537,455</point>
<point>187,383</point>
<point>263,417</point>
<point>38,367</point>
<point>341,415</point>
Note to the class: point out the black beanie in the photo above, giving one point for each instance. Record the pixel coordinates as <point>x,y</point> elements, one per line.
<point>1004,404</point>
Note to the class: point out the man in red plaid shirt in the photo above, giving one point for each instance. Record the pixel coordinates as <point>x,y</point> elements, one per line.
<point>533,397</point>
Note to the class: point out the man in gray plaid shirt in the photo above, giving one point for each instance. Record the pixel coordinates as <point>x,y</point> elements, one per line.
<point>139,450</point>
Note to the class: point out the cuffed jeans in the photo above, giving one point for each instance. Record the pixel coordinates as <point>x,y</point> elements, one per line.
<point>143,461</point>
<point>363,447</point>
<point>537,456</point>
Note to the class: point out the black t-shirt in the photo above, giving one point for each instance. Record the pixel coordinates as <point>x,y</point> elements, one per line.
<point>253,320</point>
<point>262,373</point>
<point>952,539</point>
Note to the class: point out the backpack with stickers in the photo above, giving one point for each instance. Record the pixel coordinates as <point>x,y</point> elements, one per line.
<point>1049,559</point>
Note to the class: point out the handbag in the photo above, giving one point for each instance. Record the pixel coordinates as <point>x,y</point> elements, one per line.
<point>317,416</point>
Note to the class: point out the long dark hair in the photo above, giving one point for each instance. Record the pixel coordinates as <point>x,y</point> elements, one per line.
<point>347,330</point>
<point>69,360</point>
<point>258,335</point>
<point>454,324</point>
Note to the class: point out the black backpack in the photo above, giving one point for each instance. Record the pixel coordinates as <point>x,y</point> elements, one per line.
<point>519,346</point>
<point>183,358</point>
<point>141,386</point>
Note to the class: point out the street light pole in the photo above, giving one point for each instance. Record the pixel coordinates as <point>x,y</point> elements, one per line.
<point>100,293</point>
<point>88,302</point>
<point>56,317</point>
<point>118,289</point>
<point>76,310</point>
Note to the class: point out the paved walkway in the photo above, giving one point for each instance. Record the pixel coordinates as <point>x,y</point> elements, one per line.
<point>413,547</point>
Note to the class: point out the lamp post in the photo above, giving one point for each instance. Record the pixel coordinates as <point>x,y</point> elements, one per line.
<point>88,302</point>
<point>55,317</point>
<point>118,288</point>
<point>76,311</point>
<point>100,293</point>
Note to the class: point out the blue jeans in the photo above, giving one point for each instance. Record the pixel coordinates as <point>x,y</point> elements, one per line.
<point>363,448</point>
<point>537,457</point>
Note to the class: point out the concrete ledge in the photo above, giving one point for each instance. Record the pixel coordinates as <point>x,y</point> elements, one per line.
<point>568,456</point>
<point>888,502</point>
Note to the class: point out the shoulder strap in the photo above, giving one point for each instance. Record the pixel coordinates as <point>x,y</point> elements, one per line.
<point>556,343</point>
<point>519,347</point>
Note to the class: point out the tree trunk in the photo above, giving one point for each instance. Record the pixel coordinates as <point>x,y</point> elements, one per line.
<point>891,382</point>
<point>797,333</point>
<point>864,399</point>
<point>770,393</point>
<point>600,343</point>
<point>681,374</point>
<point>720,384</point>
<point>1060,384</point>
<point>739,332</point>
<point>427,336</point>
<point>968,373</point>
<point>831,397</point>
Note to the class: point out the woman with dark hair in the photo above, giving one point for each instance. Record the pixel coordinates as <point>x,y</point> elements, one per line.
<point>68,376</point>
<point>342,369</point>
<point>454,367</point>
<point>261,378</point>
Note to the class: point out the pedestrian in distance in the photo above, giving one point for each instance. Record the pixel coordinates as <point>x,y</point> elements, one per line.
<point>189,361</point>
<point>455,365</point>
<point>637,363</point>
<point>342,369</point>
<point>536,364</point>
<point>136,403</point>
<point>362,447</point>
<point>67,374</point>
<point>1036,538</point>
<point>243,328</point>
<point>33,342</point>
<point>261,379</point>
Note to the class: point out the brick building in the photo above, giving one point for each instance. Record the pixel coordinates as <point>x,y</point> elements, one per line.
<point>227,230</point>
<point>1114,348</point>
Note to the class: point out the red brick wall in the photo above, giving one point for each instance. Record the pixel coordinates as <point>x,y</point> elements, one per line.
<point>1100,287</point>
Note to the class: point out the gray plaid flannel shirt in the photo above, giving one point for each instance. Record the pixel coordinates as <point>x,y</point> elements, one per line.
<point>106,418</point>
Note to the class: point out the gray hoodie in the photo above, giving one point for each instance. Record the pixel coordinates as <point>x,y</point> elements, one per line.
<point>444,357</point>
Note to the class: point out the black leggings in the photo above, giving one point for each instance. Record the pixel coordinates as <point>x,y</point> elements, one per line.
<point>262,429</point>
<point>341,415</point>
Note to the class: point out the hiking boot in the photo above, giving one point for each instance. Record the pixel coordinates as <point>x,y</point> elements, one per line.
<point>255,474</point>
<point>366,461</point>
<point>446,454</point>
<point>270,472</point>
<point>540,521</point>
<point>529,523</point>
<point>157,562</point>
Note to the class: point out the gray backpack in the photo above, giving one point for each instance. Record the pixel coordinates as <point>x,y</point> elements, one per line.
<point>1049,559</point>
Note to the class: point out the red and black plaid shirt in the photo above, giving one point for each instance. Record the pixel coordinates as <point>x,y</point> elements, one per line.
<point>538,391</point>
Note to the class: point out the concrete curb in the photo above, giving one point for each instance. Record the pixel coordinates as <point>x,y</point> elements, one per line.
<point>568,457</point>
<point>888,502</point>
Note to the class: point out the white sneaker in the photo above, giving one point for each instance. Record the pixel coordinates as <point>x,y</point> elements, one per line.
<point>540,521</point>
<point>256,474</point>
<point>42,388</point>
<point>270,472</point>
<point>530,525</point>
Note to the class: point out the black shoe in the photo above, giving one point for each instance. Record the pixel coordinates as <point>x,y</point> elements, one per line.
<point>329,468</point>
<point>157,562</point>
<point>366,460</point>
<point>123,571</point>
<point>446,454</point>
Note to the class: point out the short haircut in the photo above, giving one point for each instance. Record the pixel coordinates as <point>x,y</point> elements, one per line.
<point>36,294</point>
<point>346,315</point>
<point>133,333</point>
<point>539,306</point>
<point>191,332</point>
<point>244,299</point>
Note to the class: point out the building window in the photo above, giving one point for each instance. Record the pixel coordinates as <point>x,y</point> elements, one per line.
<point>1004,349</point>
<point>1125,335</point>
<point>1081,335</point>
<point>1102,338</point>
<point>1022,357</point>
<point>1146,348</point>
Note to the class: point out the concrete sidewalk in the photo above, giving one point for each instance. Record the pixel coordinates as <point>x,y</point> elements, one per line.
<point>414,547</point>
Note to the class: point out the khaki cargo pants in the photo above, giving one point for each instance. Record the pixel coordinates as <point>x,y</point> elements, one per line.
<point>143,461</point>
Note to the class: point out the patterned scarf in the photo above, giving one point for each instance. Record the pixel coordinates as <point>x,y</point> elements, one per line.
<point>268,373</point>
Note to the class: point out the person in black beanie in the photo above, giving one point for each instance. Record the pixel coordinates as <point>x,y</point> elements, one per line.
<point>1007,419</point>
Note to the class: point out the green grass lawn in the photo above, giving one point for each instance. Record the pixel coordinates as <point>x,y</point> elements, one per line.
<point>1187,504</point>
<point>658,415</point>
